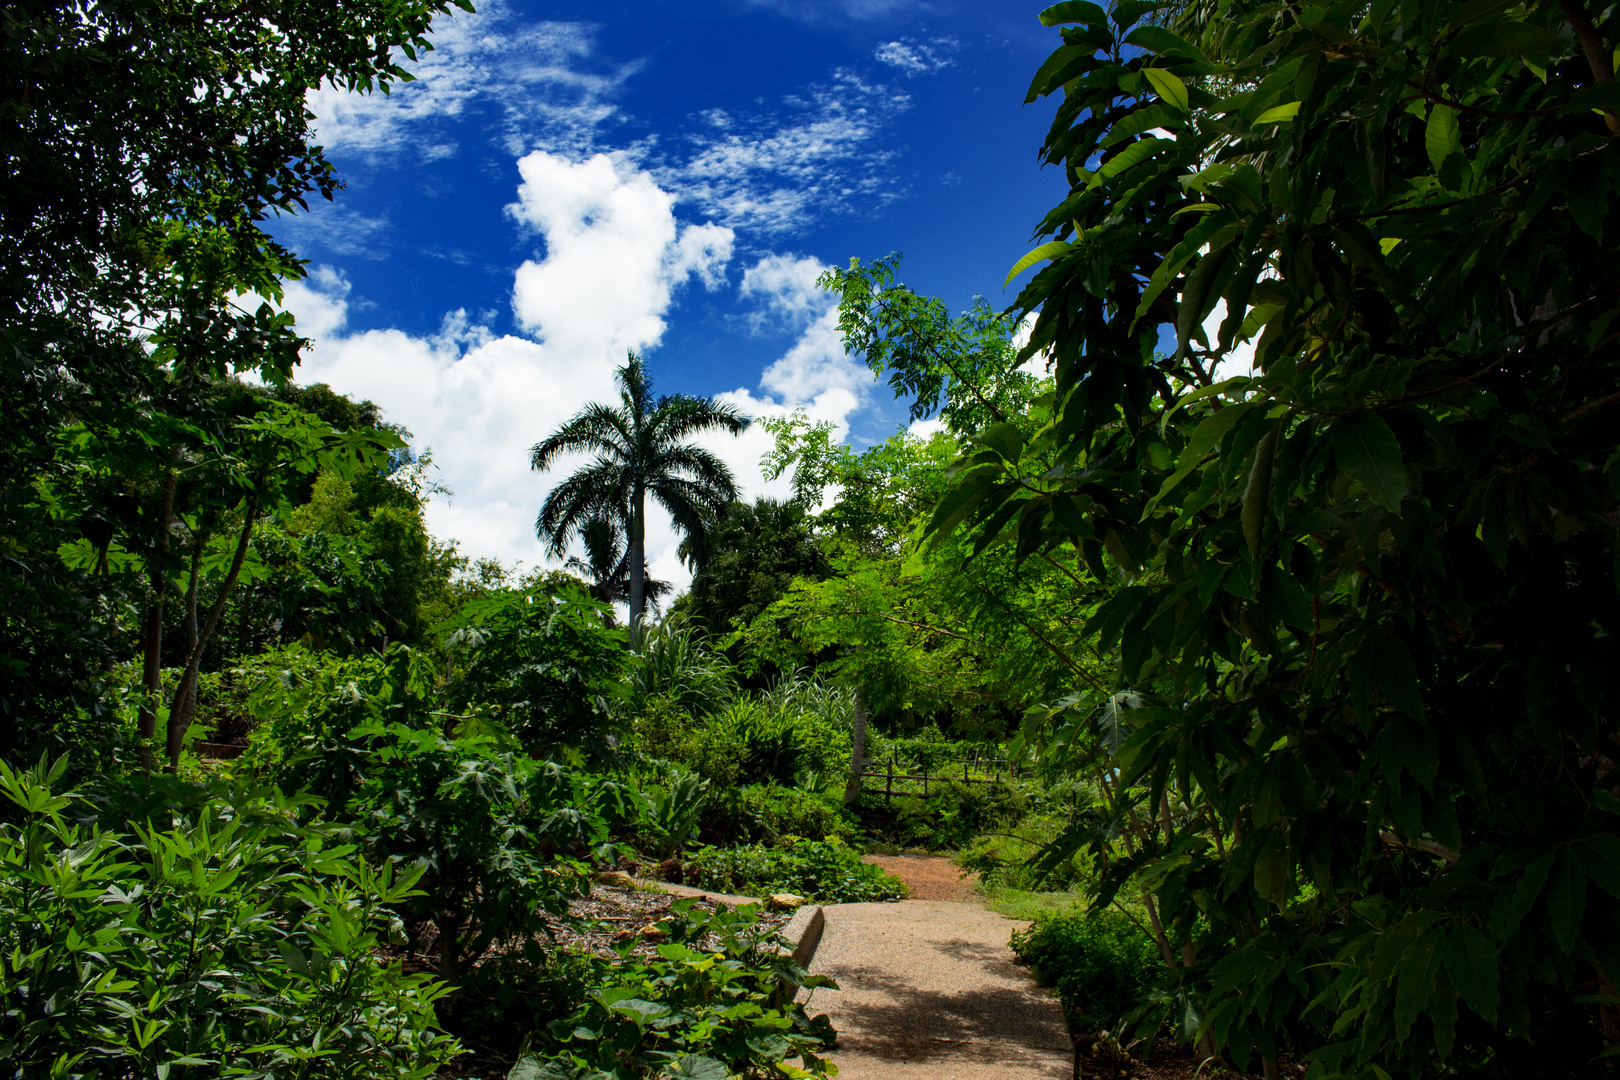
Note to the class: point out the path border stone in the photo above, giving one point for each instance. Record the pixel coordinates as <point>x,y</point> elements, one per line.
<point>803,930</point>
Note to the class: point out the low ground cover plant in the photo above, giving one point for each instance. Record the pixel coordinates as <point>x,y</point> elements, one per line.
<point>690,1012</point>
<point>829,871</point>
<point>1102,964</point>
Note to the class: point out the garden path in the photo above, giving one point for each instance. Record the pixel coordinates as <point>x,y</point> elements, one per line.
<point>930,991</point>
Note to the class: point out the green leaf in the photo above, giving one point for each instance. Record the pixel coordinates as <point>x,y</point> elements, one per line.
<point>1132,155</point>
<point>1167,86</point>
<point>1367,450</point>
<point>1257,495</point>
<point>1442,137</point>
<point>1600,855</point>
<point>1566,898</point>
<point>1279,114</point>
<point>1502,38</point>
<point>696,1067</point>
<point>1074,11</point>
<point>1204,438</point>
<point>1471,965</point>
<point>1045,251</point>
<point>1159,40</point>
<point>1415,981</point>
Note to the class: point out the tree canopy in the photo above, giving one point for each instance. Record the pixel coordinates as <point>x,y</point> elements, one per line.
<point>1365,601</point>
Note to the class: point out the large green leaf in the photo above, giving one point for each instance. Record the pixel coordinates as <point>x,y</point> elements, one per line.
<point>1471,964</point>
<point>1566,898</point>
<point>1368,451</point>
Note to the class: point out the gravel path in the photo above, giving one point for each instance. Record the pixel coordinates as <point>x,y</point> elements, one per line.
<point>929,989</point>
<point>930,877</point>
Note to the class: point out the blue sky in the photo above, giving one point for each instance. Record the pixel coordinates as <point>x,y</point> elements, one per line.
<point>567,181</point>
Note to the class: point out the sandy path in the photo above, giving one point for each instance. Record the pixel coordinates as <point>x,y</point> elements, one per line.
<point>929,990</point>
<point>930,877</point>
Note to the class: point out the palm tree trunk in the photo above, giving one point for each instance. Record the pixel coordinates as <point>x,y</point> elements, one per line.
<point>638,561</point>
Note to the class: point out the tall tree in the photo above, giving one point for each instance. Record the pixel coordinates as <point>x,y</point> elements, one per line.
<point>640,450</point>
<point>1365,612</point>
<point>606,565</point>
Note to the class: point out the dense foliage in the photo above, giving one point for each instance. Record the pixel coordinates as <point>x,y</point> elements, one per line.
<point>1366,607</point>
<point>240,937</point>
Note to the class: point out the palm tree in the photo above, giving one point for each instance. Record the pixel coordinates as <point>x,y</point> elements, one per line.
<point>639,451</point>
<point>606,565</point>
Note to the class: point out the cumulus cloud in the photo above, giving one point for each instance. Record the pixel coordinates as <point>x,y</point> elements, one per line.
<point>784,286</point>
<point>818,154</point>
<point>911,57</point>
<point>614,257</point>
<point>527,83</point>
<point>614,254</point>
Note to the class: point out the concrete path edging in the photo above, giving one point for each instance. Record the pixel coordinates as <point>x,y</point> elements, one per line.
<point>803,930</point>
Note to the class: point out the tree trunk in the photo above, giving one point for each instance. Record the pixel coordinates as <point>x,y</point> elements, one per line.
<point>638,562</point>
<point>857,753</point>
<point>184,706</point>
<point>449,926</point>
<point>152,659</point>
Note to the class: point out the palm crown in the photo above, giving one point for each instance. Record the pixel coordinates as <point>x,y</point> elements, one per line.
<point>640,450</point>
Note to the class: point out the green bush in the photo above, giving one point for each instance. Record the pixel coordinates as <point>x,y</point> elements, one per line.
<point>950,818</point>
<point>829,871</point>
<point>1013,860</point>
<point>1102,965</point>
<point>785,811</point>
<point>238,938</point>
<point>690,1012</point>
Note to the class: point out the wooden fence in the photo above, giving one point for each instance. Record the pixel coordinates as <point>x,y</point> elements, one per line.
<point>910,778</point>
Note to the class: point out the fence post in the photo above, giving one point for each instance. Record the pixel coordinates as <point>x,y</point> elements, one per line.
<point>888,787</point>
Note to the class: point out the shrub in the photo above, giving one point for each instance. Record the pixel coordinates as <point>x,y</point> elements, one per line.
<point>690,1012</point>
<point>1102,964</point>
<point>1013,861</point>
<point>236,938</point>
<point>951,817</point>
<point>785,811</point>
<point>502,837</point>
<point>829,871</point>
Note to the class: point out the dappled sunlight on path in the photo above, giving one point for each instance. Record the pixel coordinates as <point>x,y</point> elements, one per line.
<point>928,988</point>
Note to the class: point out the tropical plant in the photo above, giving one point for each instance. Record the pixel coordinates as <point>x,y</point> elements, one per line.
<point>606,565</point>
<point>145,150</point>
<point>640,450</point>
<point>1365,582</point>
<point>824,869</point>
<point>692,1012</point>
<point>672,661</point>
<point>754,552</point>
<point>172,926</point>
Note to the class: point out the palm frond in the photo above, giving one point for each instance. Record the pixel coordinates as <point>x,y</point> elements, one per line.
<point>597,428</point>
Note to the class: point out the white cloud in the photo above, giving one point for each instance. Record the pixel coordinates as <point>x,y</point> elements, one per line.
<point>338,228</point>
<point>913,57</point>
<point>786,287</point>
<point>528,82</point>
<point>614,255</point>
<point>859,10</point>
<point>773,172</point>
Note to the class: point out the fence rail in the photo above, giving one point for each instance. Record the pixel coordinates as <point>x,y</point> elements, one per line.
<point>894,779</point>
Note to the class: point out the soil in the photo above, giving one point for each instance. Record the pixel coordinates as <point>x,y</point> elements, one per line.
<point>930,877</point>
